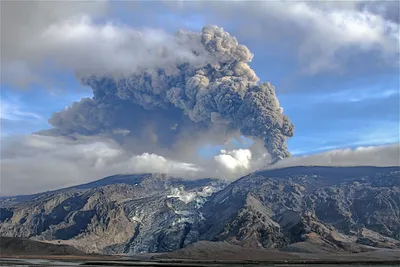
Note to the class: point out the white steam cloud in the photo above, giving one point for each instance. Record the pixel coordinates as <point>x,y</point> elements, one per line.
<point>234,160</point>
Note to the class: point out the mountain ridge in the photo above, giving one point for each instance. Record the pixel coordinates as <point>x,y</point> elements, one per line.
<point>298,208</point>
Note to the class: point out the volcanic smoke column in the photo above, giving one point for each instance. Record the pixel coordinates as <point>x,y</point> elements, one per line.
<point>212,86</point>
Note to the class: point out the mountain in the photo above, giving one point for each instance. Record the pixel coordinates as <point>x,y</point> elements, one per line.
<point>118,214</point>
<point>296,209</point>
<point>308,209</point>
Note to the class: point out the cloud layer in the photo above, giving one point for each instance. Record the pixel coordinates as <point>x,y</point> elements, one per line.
<point>32,164</point>
<point>321,36</point>
<point>72,41</point>
<point>386,155</point>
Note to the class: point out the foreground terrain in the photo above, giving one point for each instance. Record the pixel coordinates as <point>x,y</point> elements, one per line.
<point>20,252</point>
<point>14,246</point>
<point>274,213</point>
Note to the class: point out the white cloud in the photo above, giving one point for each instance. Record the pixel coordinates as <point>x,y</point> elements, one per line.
<point>387,155</point>
<point>234,159</point>
<point>320,35</point>
<point>71,41</point>
<point>31,164</point>
<point>232,164</point>
<point>330,31</point>
<point>147,162</point>
<point>40,38</point>
<point>86,46</point>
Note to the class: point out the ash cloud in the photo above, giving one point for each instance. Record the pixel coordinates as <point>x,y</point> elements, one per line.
<point>180,105</point>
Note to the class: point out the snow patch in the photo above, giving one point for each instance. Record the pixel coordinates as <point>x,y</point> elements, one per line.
<point>136,219</point>
<point>189,196</point>
<point>183,220</point>
<point>180,193</point>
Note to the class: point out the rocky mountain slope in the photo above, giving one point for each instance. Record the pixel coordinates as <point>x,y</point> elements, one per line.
<point>296,209</point>
<point>308,209</point>
<point>118,214</point>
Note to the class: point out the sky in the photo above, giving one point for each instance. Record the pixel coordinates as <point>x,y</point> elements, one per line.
<point>334,66</point>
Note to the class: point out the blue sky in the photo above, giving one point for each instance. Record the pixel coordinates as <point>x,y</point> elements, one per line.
<point>357,106</point>
<point>24,111</point>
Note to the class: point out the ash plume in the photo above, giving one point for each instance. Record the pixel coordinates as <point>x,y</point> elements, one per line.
<point>209,96</point>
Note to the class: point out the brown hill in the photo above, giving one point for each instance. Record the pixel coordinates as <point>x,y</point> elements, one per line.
<point>14,246</point>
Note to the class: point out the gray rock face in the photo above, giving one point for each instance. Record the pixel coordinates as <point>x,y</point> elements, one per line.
<point>302,209</point>
<point>335,207</point>
<point>118,214</point>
